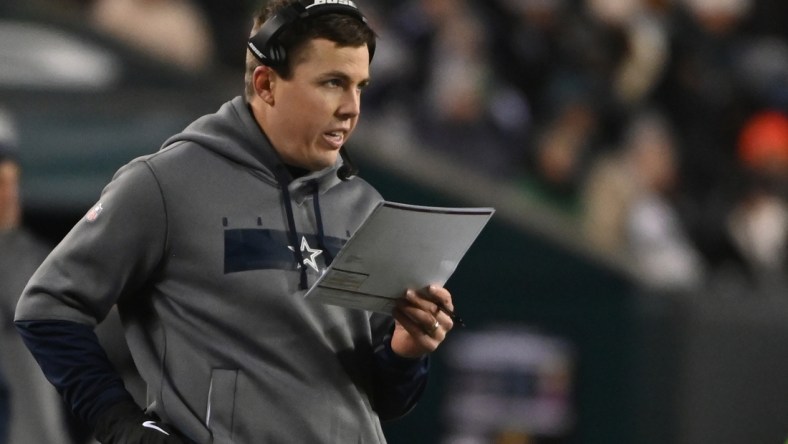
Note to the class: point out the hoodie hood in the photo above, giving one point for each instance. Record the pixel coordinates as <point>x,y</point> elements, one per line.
<point>232,132</point>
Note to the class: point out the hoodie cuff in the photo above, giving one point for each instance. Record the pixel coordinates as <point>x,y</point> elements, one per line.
<point>389,359</point>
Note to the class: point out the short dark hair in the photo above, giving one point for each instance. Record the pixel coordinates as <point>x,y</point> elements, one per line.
<point>343,29</point>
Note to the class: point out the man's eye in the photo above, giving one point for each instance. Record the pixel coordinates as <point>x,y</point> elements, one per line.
<point>334,83</point>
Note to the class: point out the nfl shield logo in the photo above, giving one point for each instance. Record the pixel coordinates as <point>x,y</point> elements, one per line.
<point>94,212</point>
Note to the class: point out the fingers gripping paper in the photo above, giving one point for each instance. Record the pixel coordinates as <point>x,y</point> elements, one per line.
<point>398,246</point>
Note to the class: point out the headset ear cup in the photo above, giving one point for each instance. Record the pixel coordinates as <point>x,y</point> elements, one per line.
<point>277,55</point>
<point>264,44</point>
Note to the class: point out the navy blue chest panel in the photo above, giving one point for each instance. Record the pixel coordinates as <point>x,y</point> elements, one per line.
<point>261,249</point>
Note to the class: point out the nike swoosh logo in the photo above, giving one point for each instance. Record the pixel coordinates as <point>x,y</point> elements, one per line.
<point>152,425</point>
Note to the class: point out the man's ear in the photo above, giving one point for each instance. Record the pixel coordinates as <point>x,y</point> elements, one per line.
<point>264,80</point>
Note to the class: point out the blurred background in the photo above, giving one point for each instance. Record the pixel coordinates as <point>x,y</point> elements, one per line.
<point>631,287</point>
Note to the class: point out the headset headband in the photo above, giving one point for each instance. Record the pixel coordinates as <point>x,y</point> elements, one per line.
<point>265,44</point>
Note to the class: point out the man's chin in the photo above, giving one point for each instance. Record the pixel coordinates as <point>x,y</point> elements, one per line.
<point>329,161</point>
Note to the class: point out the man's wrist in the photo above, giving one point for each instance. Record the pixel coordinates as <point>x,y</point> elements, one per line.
<point>126,423</point>
<point>115,413</point>
<point>390,358</point>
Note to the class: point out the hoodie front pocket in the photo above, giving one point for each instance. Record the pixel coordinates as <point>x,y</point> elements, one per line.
<point>221,405</point>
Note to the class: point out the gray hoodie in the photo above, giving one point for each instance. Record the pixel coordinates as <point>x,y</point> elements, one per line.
<point>195,245</point>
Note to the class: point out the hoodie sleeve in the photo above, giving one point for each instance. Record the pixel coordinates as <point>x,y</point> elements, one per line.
<point>398,382</point>
<point>108,254</point>
<point>73,361</point>
<point>111,252</point>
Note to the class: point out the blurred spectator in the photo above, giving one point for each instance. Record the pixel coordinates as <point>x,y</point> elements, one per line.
<point>629,207</point>
<point>229,27</point>
<point>763,71</point>
<point>171,30</point>
<point>37,412</point>
<point>528,46</point>
<point>556,166</point>
<point>461,106</point>
<point>703,98</point>
<point>758,222</point>
<point>769,18</point>
<point>641,64</point>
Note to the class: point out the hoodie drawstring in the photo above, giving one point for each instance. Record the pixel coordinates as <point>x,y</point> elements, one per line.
<point>321,237</point>
<point>291,231</point>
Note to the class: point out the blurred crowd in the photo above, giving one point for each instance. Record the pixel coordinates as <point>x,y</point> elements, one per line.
<point>658,126</point>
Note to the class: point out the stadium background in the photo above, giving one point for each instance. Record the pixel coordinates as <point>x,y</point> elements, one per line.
<point>520,105</point>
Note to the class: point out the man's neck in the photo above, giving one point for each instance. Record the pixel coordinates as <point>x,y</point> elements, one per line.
<point>297,172</point>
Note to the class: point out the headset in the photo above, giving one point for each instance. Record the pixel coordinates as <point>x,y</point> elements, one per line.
<point>265,43</point>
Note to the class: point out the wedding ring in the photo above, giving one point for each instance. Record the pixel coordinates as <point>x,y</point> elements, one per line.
<point>434,327</point>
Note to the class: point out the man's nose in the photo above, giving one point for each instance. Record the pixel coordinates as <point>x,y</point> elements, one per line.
<point>351,104</point>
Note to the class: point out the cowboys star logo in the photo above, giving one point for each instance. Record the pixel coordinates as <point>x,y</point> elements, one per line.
<point>94,212</point>
<point>313,253</point>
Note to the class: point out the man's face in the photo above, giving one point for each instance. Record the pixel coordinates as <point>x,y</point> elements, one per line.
<point>9,195</point>
<point>315,111</point>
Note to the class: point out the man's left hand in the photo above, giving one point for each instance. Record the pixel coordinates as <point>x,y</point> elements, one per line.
<point>420,324</point>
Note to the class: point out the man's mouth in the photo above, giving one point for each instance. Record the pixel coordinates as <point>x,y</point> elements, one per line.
<point>335,138</point>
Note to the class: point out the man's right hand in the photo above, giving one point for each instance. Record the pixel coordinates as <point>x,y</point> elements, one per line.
<point>126,423</point>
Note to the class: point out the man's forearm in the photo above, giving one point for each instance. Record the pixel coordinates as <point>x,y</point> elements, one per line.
<point>399,382</point>
<point>74,362</point>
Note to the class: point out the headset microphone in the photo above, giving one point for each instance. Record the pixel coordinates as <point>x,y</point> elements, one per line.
<point>348,169</point>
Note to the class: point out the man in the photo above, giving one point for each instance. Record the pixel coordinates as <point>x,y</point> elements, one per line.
<point>207,248</point>
<point>34,409</point>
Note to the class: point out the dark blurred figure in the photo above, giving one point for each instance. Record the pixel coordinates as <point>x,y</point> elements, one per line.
<point>230,25</point>
<point>457,102</point>
<point>707,104</point>
<point>757,222</point>
<point>530,38</point>
<point>630,206</point>
<point>554,169</point>
<point>36,411</point>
